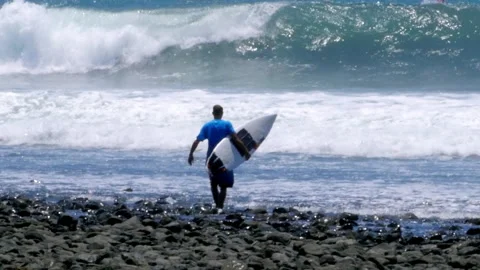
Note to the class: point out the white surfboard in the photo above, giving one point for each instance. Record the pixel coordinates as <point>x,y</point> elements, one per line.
<point>225,155</point>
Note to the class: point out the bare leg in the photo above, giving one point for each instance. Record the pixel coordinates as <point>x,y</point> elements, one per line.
<point>215,194</point>
<point>221,197</point>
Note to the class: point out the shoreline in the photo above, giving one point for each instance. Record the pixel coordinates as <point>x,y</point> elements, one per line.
<point>84,234</point>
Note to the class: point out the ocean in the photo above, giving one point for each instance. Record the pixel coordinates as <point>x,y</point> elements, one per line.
<point>377,102</point>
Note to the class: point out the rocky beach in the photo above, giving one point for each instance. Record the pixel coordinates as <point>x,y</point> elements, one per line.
<point>373,161</point>
<point>83,234</point>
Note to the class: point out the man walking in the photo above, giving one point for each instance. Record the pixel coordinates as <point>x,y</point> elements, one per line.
<point>215,130</point>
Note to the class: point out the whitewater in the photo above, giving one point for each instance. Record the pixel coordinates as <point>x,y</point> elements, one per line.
<point>377,103</point>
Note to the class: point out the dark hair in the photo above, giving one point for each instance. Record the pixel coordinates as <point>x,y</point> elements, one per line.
<point>217,110</point>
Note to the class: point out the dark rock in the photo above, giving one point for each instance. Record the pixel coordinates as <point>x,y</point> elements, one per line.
<point>474,221</point>
<point>112,221</point>
<point>436,236</point>
<point>454,228</point>
<point>150,222</point>
<point>93,205</point>
<point>316,236</point>
<point>35,236</point>
<point>68,221</point>
<point>444,245</point>
<point>281,226</point>
<point>393,236</point>
<point>20,203</point>
<point>174,226</point>
<point>24,213</point>
<point>347,226</point>
<point>318,226</point>
<point>234,220</point>
<point>124,213</point>
<point>348,217</point>
<point>415,240</point>
<point>280,210</point>
<point>347,221</point>
<point>257,211</point>
<point>473,231</point>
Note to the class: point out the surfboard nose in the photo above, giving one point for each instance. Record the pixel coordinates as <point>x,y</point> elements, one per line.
<point>269,118</point>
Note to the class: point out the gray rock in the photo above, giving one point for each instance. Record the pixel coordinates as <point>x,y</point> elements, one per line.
<point>346,263</point>
<point>34,251</point>
<point>434,259</point>
<point>255,262</point>
<point>456,261</point>
<point>96,246</point>
<point>208,252</point>
<point>215,264</point>
<point>268,264</point>
<point>99,242</point>
<point>283,238</point>
<point>129,259</point>
<point>327,259</point>
<point>5,259</point>
<point>86,258</point>
<point>132,223</point>
<point>303,262</point>
<point>280,258</point>
<point>234,264</point>
<point>174,227</point>
<point>414,257</point>
<point>343,244</point>
<point>473,262</point>
<point>430,249</point>
<point>468,250</point>
<point>312,249</point>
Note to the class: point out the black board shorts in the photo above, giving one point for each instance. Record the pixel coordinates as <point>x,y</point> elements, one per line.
<point>223,179</point>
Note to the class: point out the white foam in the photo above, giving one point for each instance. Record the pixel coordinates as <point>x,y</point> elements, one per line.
<point>36,39</point>
<point>318,123</point>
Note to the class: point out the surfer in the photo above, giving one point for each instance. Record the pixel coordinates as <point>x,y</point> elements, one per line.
<point>214,131</point>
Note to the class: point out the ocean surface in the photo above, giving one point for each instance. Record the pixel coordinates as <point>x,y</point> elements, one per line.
<point>378,102</point>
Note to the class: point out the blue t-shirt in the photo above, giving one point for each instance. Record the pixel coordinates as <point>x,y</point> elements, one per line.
<point>215,131</point>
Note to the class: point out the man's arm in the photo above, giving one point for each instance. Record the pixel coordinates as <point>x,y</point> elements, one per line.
<point>240,146</point>
<point>192,149</point>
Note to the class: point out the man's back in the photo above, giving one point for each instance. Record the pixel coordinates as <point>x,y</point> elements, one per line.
<point>215,131</point>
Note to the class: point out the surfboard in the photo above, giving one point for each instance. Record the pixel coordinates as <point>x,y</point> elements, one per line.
<point>225,156</point>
